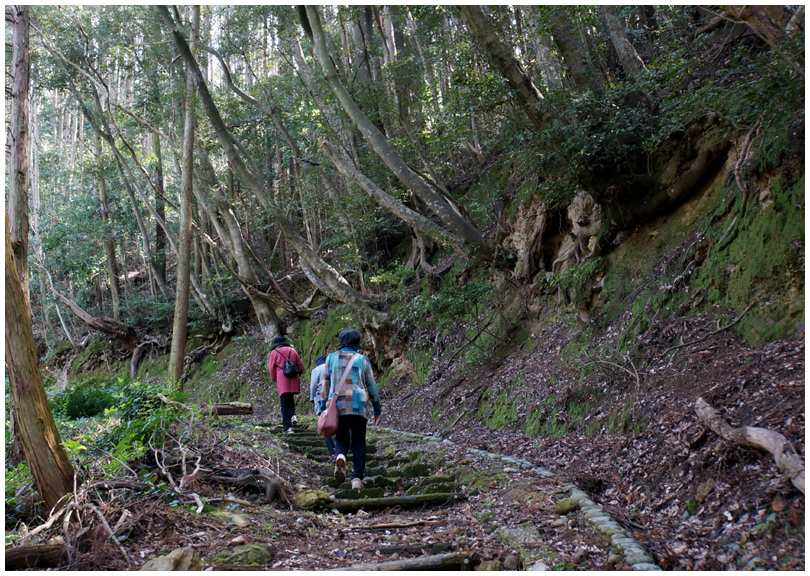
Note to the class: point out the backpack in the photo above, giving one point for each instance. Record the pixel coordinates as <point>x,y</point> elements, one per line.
<point>289,368</point>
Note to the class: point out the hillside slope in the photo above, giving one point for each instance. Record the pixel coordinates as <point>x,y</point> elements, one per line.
<point>594,374</point>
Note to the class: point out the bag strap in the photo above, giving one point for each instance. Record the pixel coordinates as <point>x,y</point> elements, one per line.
<point>346,373</point>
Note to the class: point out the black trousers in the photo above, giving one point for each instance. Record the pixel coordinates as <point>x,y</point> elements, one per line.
<point>351,433</point>
<point>287,409</point>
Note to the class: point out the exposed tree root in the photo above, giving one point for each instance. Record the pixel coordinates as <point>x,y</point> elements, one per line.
<point>789,463</point>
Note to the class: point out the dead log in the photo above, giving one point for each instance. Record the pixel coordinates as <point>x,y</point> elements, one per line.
<point>453,560</point>
<point>789,463</point>
<point>231,408</point>
<point>24,557</point>
<point>346,506</point>
<point>125,334</point>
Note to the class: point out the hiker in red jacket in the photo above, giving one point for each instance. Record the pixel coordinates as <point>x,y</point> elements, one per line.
<point>288,386</point>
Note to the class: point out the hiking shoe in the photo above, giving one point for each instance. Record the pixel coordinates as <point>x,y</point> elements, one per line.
<point>294,421</point>
<point>289,431</point>
<point>340,468</point>
<point>357,484</point>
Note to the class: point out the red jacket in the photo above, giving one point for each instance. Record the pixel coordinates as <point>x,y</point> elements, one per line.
<point>274,363</point>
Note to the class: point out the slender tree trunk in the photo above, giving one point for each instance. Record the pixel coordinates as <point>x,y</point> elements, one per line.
<point>575,55</point>
<point>180,327</point>
<point>50,467</point>
<point>160,207</point>
<point>18,161</point>
<point>503,60</point>
<point>109,242</point>
<point>628,57</point>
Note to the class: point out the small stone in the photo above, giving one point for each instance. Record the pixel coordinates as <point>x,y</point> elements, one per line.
<point>238,540</point>
<point>538,567</point>
<point>180,560</point>
<point>638,559</point>
<point>612,560</point>
<point>704,490</point>
<point>511,562</point>
<point>565,506</point>
<point>489,566</point>
<point>645,567</point>
<point>559,522</point>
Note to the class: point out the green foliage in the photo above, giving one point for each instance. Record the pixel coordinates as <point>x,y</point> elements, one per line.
<point>83,400</point>
<point>16,476</point>
<point>446,308</point>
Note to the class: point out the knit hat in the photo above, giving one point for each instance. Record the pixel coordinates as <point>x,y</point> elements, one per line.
<point>279,341</point>
<point>349,339</point>
<point>320,360</point>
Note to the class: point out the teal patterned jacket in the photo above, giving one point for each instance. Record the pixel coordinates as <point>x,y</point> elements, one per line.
<point>360,392</point>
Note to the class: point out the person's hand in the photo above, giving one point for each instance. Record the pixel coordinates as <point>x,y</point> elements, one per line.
<point>377,420</point>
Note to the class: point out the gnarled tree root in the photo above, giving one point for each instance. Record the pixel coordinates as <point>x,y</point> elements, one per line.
<point>789,463</point>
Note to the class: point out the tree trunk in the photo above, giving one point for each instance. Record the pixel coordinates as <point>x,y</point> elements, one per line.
<point>628,57</point>
<point>575,55</point>
<point>160,207</point>
<point>18,161</point>
<point>49,464</point>
<point>503,60</point>
<point>180,326</point>
<point>109,242</point>
<point>435,201</point>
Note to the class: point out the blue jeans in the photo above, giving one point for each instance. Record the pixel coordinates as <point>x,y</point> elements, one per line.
<point>330,445</point>
<point>352,432</point>
<point>287,409</point>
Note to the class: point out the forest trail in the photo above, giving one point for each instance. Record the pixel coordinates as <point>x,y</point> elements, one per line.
<point>428,503</point>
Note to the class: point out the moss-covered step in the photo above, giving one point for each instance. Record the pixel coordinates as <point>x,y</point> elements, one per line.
<point>349,494</point>
<point>445,487</point>
<point>347,506</point>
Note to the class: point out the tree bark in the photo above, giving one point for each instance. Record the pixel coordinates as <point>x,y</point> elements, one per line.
<point>180,325</point>
<point>18,161</point>
<point>789,463</point>
<point>42,446</point>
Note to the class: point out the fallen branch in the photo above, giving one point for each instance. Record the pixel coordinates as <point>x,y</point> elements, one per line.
<point>789,463</point>
<point>231,408</point>
<point>25,557</point>
<point>463,560</point>
<point>390,525</point>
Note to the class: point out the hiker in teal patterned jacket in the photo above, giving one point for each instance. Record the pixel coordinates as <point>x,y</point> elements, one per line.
<point>355,401</point>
